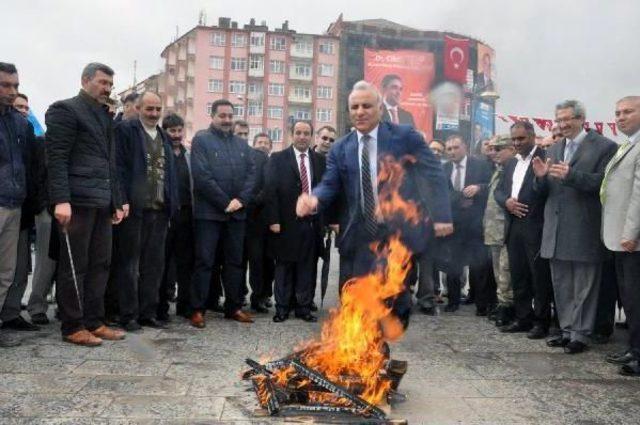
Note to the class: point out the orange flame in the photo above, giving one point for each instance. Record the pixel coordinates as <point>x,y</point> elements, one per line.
<point>351,342</point>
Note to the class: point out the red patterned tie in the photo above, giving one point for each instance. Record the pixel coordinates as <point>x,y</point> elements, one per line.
<point>303,174</point>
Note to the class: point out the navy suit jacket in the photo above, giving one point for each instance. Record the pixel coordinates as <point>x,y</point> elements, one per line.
<point>424,183</point>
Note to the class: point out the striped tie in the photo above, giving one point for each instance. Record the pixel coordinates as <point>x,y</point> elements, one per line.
<point>369,202</point>
<point>621,151</point>
<point>303,174</point>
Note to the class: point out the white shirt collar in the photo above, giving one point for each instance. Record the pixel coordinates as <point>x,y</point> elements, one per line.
<point>463,162</point>
<point>529,156</point>
<point>635,137</point>
<point>373,134</point>
<point>389,107</point>
<point>579,138</point>
<point>298,153</point>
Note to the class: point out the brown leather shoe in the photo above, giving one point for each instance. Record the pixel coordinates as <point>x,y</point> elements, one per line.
<point>109,334</point>
<point>241,316</point>
<point>83,337</point>
<point>197,320</point>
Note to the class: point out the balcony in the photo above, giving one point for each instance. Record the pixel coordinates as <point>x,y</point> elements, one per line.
<point>256,72</point>
<point>257,49</point>
<point>293,98</point>
<point>303,76</point>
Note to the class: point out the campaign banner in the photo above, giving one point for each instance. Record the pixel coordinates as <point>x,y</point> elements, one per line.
<point>485,70</point>
<point>404,78</point>
<point>483,118</point>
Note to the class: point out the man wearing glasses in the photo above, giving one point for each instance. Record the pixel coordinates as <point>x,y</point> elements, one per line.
<point>324,139</point>
<point>571,176</point>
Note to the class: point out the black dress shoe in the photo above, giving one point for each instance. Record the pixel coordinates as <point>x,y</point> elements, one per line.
<point>575,347</point>
<point>620,358</point>
<point>259,308</point>
<point>537,332</point>
<point>450,308</point>
<point>429,311</point>
<point>130,326</point>
<point>20,324</point>
<point>278,318</point>
<point>308,317</point>
<point>630,369</point>
<point>313,306</point>
<point>557,341</point>
<point>152,323</point>
<point>516,327</point>
<point>40,319</point>
<point>267,302</point>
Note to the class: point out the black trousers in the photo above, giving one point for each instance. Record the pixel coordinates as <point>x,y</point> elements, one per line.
<point>179,254</point>
<point>141,264</point>
<point>607,297</point>
<point>297,278</point>
<point>628,272</point>
<point>530,276</point>
<point>90,240</point>
<point>111,307</point>
<point>215,285</point>
<point>209,235</point>
<point>261,266</point>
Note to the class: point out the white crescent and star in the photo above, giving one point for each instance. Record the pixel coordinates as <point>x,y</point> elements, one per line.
<point>456,51</point>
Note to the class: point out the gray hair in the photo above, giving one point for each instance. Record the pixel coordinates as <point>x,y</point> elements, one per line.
<point>575,105</point>
<point>363,85</point>
<point>90,70</point>
<point>635,99</point>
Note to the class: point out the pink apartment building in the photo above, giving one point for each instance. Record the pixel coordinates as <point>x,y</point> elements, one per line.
<point>271,77</point>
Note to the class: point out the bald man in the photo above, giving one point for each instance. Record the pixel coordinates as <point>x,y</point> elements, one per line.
<point>149,186</point>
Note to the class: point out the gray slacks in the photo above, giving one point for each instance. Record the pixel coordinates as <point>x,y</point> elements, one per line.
<point>576,286</point>
<point>426,281</point>
<point>45,267</point>
<point>9,231</point>
<point>11,308</point>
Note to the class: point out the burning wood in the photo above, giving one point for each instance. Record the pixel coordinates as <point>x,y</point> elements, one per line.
<point>347,369</point>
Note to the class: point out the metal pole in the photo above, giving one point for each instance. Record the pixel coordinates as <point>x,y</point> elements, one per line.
<point>73,270</point>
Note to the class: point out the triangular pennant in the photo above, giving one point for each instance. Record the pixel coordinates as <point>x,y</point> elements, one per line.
<point>514,118</point>
<point>599,126</point>
<point>541,122</point>
<point>613,128</point>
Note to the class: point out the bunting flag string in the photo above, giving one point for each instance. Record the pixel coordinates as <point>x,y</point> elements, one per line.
<point>546,124</point>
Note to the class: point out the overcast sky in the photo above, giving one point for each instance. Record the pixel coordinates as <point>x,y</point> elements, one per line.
<point>546,50</point>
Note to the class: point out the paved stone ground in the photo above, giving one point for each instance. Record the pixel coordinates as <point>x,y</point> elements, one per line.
<point>462,371</point>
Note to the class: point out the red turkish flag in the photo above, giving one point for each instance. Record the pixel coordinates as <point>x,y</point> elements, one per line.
<point>456,59</point>
<point>541,122</point>
<point>599,126</point>
<point>612,126</point>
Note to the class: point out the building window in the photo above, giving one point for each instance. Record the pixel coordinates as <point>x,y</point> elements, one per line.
<point>276,67</point>
<point>218,38</point>
<point>302,69</point>
<point>301,114</point>
<point>326,70</point>
<point>255,88</point>
<point>238,111</point>
<point>238,40</point>
<point>323,115</point>
<point>274,112</point>
<point>325,92</point>
<point>256,62</point>
<point>209,108</point>
<point>238,64</point>
<point>275,134</point>
<point>216,62</point>
<point>254,108</point>
<point>253,131</point>
<point>326,47</point>
<point>276,89</point>
<point>302,92</point>
<point>237,87</point>
<point>278,43</point>
<point>257,39</point>
<point>304,46</point>
<point>216,86</point>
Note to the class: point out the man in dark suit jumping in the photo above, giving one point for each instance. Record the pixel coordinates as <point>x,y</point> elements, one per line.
<point>352,169</point>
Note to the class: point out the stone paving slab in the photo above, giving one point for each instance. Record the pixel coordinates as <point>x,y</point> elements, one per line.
<point>461,371</point>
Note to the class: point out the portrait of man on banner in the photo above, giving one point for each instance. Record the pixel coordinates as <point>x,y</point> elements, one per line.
<point>404,78</point>
<point>486,71</point>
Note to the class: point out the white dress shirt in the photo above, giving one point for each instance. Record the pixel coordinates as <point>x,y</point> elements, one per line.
<point>373,161</point>
<point>576,144</point>
<point>390,109</point>
<point>462,170</point>
<point>520,171</point>
<point>635,138</point>
<point>306,164</point>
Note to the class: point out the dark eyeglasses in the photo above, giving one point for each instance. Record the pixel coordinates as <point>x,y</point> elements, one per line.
<point>327,138</point>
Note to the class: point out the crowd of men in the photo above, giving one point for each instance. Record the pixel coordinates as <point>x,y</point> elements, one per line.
<point>545,233</point>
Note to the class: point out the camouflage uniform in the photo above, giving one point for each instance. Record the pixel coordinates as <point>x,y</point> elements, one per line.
<point>493,223</point>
